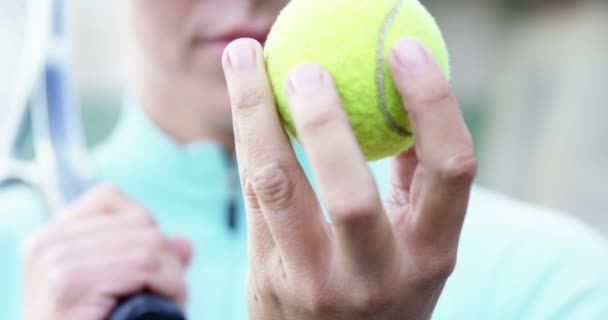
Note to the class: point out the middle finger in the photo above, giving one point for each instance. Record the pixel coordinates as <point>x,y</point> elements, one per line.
<point>346,184</point>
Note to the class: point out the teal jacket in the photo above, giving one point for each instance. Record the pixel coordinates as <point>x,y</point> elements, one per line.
<point>516,261</point>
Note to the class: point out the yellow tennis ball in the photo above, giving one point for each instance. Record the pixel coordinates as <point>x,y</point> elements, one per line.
<point>351,39</point>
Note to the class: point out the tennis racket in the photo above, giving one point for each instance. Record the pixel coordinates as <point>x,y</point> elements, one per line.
<point>43,111</point>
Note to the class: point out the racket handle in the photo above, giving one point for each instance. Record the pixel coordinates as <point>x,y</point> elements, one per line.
<point>147,306</point>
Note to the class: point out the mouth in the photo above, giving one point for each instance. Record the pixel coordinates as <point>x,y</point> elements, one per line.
<point>217,44</point>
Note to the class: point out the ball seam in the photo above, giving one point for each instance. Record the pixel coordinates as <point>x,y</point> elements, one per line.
<point>380,74</point>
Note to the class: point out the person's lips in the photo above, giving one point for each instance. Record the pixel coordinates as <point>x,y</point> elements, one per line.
<point>219,43</point>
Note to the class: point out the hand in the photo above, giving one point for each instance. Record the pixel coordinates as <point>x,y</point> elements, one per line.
<point>375,260</point>
<point>104,247</point>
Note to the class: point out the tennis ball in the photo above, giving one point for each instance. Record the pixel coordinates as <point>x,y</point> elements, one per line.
<point>351,39</point>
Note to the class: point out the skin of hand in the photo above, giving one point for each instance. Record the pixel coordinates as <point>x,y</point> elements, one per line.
<point>100,249</point>
<point>377,259</point>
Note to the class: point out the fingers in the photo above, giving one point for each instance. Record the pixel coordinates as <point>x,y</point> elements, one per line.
<point>443,143</point>
<point>403,167</point>
<point>132,271</point>
<point>403,171</point>
<point>183,248</point>
<point>70,257</point>
<point>73,230</point>
<point>145,270</point>
<point>140,257</point>
<point>347,187</point>
<point>272,180</point>
<point>108,244</point>
<point>103,198</point>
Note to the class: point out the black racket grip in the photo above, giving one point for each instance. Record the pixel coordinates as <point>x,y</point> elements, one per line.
<point>147,306</point>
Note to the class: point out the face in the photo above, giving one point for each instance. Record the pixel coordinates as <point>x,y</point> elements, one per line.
<point>180,43</point>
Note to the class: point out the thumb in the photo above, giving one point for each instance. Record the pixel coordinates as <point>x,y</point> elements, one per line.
<point>182,246</point>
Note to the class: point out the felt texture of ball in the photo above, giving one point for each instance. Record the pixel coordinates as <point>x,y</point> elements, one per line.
<point>351,39</point>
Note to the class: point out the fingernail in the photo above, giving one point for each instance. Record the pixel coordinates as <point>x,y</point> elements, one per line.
<point>241,56</point>
<point>305,78</point>
<point>410,54</point>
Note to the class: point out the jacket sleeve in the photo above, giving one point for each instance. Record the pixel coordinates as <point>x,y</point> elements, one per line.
<point>21,212</point>
<point>573,282</point>
<point>528,262</point>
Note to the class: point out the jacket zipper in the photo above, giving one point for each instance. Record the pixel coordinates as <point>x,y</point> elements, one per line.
<point>232,194</point>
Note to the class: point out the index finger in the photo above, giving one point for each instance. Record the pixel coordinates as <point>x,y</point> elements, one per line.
<point>281,202</point>
<point>443,143</point>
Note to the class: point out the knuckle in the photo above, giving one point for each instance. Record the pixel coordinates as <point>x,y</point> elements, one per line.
<point>63,282</point>
<point>272,185</point>
<point>444,268</point>
<point>248,98</point>
<point>372,299</point>
<point>106,190</point>
<point>251,199</point>
<point>272,266</point>
<point>35,244</point>
<point>57,254</point>
<point>251,291</point>
<point>459,169</point>
<point>320,306</point>
<point>262,288</point>
<point>437,269</point>
<point>142,216</point>
<point>269,277</point>
<point>40,242</point>
<point>155,240</point>
<point>264,285</point>
<point>317,300</point>
<point>276,268</point>
<point>354,209</point>
<point>148,261</point>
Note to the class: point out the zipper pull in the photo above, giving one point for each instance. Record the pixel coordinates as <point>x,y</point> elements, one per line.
<point>232,215</point>
<point>232,194</point>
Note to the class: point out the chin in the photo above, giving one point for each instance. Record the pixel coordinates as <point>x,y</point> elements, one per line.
<point>218,110</point>
<point>222,117</point>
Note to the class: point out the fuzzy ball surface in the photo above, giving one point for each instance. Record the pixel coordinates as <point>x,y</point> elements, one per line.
<point>351,39</point>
